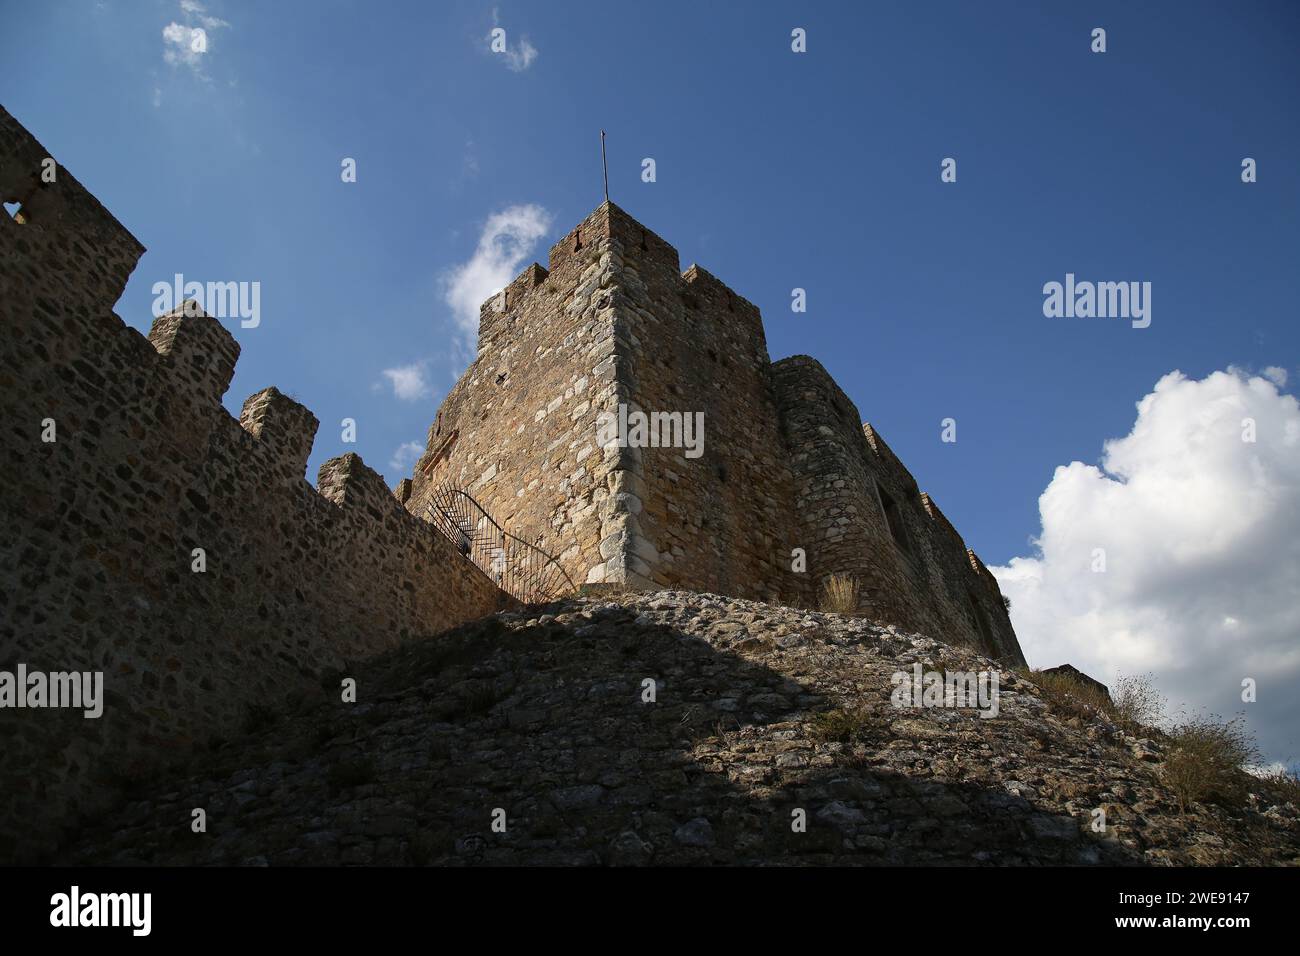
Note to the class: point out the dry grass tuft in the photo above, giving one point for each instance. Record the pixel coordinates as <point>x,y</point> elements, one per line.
<point>1207,760</point>
<point>840,594</point>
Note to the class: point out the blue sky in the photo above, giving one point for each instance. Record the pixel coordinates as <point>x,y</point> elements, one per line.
<point>775,170</point>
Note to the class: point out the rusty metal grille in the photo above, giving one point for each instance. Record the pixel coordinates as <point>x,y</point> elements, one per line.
<point>522,570</point>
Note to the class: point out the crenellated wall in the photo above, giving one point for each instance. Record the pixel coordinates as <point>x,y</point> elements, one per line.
<point>158,540</point>
<point>152,537</point>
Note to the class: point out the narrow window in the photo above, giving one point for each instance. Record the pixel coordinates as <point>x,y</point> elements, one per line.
<point>894,519</point>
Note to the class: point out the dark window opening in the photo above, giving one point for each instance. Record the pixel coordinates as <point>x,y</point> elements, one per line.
<point>722,473</point>
<point>894,519</point>
<point>644,247</point>
<point>502,377</point>
<point>713,355</point>
<point>577,234</point>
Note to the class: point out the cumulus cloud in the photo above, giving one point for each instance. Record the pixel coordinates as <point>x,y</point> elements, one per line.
<point>1201,537</point>
<point>517,56</point>
<point>406,455</point>
<point>408,381</point>
<point>507,240</point>
<point>186,44</point>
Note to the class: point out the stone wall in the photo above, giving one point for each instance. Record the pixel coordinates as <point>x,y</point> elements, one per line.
<point>955,592</point>
<point>614,322</point>
<point>715,517</point>
<point>98,560</point>
<point>518,432</point>
<point>843,527</point>
<point>786,461</point>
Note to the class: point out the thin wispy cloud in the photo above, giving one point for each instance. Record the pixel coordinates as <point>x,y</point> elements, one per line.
<point>1276,375</point>
<point>406,455</point>
<point>506,243</point>
<point>517,55</point>
<point>186,44</point>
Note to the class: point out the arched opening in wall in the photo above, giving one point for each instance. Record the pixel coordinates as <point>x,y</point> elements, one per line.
<point>893,519</point>
<point>981,622</point>
<point>14,210</point>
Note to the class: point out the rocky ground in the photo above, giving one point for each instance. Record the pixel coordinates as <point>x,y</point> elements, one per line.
<point>537,718</point>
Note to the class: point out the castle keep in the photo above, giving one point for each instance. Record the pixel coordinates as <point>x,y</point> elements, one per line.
<point>787,467</point>
<point>155,539</point>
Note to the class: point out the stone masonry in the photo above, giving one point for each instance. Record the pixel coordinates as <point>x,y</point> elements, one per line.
<point>98,562</point>
<point>154,539</point>
<point>787,462</point>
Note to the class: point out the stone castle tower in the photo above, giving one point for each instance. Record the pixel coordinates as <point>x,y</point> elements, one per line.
<point>178,551</point>
<point>787,466</point>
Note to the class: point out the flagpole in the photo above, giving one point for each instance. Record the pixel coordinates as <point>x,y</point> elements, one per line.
<point>604,164</point>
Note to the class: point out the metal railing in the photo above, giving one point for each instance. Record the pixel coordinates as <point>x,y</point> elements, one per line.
<point>522,570</point>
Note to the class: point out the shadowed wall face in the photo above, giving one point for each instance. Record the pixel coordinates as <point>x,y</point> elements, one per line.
<point>153,538</point>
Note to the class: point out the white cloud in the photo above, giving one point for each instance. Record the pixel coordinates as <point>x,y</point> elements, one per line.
<point>507,240</point>
<point>1275,375</point>
<point>517,56</point>
<point>1201,532</point>
<point>521,57</point>
<point>198,12</point>
<point>186,44</point>
<point>406,455</point>
<point>408,381</point>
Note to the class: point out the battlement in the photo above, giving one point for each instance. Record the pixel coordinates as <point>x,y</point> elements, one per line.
<point>60,222</point>
<point>152,537</point>
<point>198,352</point>
<point>184,554</point>
<point>498,311</point>
<point>286,428</point>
